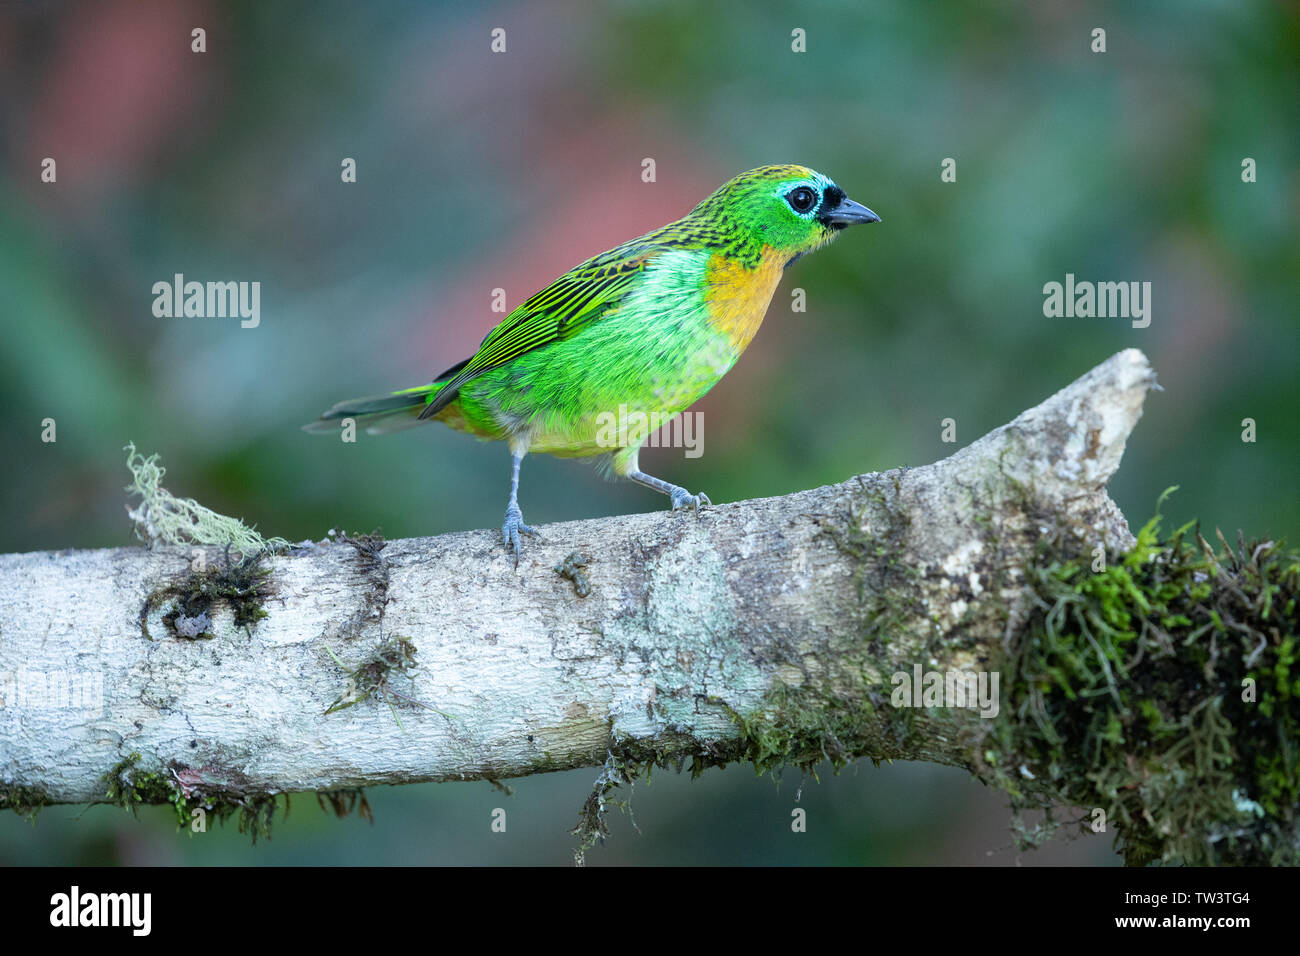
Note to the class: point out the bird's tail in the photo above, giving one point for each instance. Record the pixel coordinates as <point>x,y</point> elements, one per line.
<point>378,414</point>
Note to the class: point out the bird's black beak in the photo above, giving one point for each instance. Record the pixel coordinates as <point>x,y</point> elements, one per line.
<point>847,213</point>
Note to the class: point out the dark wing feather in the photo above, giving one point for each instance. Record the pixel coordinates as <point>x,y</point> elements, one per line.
<point>578,297</point>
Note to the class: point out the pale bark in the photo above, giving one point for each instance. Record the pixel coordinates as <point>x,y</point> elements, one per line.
<point>689,622</point>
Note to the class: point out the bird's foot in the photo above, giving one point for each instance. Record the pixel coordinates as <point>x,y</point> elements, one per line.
<point>682,498</point>
<point>514,526</point>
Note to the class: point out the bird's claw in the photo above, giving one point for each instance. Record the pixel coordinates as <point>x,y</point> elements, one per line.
<point>514,526</point>
<point>684,499</point>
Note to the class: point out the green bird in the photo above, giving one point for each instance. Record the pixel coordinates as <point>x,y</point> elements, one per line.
<point>646,328</point>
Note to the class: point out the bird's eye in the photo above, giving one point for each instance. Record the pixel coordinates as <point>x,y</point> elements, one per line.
<point>802,199</point>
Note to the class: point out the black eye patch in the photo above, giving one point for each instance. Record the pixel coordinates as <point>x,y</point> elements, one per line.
<point>832,197</point>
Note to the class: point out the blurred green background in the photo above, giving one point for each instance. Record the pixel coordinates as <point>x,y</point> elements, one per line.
<point>479,170</point>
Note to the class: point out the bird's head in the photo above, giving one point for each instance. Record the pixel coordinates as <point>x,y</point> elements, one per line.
<point>793,209</point>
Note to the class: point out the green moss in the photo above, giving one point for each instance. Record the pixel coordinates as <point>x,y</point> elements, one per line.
<point>1126,694</point>
<point>795,727</point>
<point>242,586</point>
<point>884,577</point>
<point>372,677</point>
<point>23,800</point>
<point>372,564</point>
<point>394,655</point>
<point>801,728</point>
<point>628,759</point>
<point>128,786</point>
<point>345,802</point>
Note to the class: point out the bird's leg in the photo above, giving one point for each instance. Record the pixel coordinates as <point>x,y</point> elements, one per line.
<point>681,498</point>
<point>514,525</point>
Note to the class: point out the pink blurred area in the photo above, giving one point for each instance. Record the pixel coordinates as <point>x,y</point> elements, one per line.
<point>114,96</point>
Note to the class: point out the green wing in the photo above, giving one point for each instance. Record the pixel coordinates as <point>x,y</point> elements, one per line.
<point>577,298</point>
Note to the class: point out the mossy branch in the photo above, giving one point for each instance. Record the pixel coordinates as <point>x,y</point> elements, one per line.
<point>1145,684</point>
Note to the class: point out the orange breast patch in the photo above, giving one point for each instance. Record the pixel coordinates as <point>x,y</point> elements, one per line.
<point>738,297</point>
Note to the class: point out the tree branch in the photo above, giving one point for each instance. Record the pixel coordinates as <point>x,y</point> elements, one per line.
<point>769,630</point>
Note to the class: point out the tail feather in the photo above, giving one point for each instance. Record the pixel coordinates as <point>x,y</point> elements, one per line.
<point>378,414</point>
